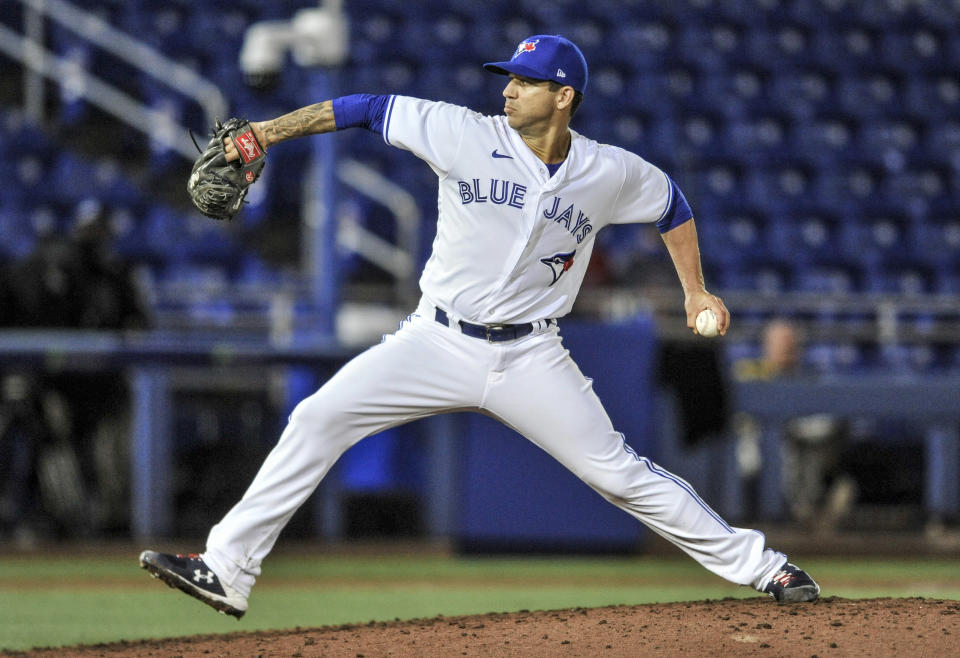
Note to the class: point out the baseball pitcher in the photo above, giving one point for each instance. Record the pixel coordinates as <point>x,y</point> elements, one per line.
<point>521,197</point>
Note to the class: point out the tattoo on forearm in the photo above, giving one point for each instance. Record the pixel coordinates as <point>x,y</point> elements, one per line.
<point>310,120</point>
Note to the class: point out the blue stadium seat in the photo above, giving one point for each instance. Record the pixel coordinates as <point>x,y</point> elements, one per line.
<point>806,235</point>
<point>902,276</point>
<point>916,188</point>
<point>20,137</point>
<point>937,239</point>
<point>940,15</point>
<point>847,183</point>
<point>77,56</point>
<point>884,14</point>
<point>783,44</point>
<point>608,84</point>
<point>199,277</point>
<point>948,279</point>
<point>47,220</point>
<point>108,184</point>
<point>761,136</point>
<point>544,13</point>
<point>741,350</point>
<point>18,236</point>
<point>648,40</point>
<point>438,83</point>
<point>818,356</point>
<point>870,93</point>
<point>733,234</point>
<point>254,270</point>
<point>806,93</point>
<point>29,177</point>
<point>823,140</point>
<point>165,235</point>
<point>834,357</point>
<point>718,181</point>
<point>908,358</point>
<point>704,133</point>
<point>778,184</point>
<point>161,232</point>
<point>373,31</point>
<point>208,242</point>
<point>942,141</point>
<point>178,30</point>
<point>844,48</point>
<point>760,275</point>
<point>933,97</point>
<point>659,92</point>
<point>920,322</point>
<point>913,50</point>
<point>874,237</point>
<point>715,44</point>
<point>68,180</point>
<point>124,224</point>
<point>737,92</point>
<point>830,277</point>
<point>889,141</point>
<point>416,39</point>
<point>399,77</point>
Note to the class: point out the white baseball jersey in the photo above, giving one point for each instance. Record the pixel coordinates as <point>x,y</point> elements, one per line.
<point>512,247</point>
<point>513,242</point>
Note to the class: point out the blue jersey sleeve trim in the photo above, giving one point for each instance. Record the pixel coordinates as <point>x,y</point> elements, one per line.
<point>360,111</point>
<point>386,123</point>
<point>677,211</point>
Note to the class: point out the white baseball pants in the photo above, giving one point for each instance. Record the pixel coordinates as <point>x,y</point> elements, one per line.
<point>532,385</point>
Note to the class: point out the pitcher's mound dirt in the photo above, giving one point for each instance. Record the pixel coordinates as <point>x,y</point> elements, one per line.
<point>731,627</point>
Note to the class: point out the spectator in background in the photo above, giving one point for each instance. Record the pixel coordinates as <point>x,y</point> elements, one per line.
<point>65,436</point>
<point>817,492</point>
<point>781,354</point>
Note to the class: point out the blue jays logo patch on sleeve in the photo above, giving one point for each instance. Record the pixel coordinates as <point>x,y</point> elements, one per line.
<point>558,264</point>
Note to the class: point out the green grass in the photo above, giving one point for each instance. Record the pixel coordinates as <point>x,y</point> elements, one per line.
<point>53,602</point>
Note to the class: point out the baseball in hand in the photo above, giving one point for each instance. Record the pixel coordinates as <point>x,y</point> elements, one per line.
<point>707,323</point>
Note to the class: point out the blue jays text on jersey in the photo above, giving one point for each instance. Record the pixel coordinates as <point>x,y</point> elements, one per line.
<point>499,191</point>
<point>579,228</point>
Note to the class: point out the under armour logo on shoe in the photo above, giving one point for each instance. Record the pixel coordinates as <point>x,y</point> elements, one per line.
<point>197,576</point>
<point>783,578</point>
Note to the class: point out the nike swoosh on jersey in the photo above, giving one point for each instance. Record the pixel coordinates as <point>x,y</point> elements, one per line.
<point>500,155</point>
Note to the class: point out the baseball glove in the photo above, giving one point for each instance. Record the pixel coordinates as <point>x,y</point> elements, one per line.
<point>218,187</point>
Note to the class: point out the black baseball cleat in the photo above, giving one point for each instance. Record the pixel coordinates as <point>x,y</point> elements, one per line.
<point>792,585</point>
<point>190,574</point>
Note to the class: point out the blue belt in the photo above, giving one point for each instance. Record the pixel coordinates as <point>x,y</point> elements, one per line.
<point>492,333</point>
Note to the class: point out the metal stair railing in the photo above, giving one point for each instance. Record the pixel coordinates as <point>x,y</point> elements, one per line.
<point>400,259</point>
<point>29,51</point>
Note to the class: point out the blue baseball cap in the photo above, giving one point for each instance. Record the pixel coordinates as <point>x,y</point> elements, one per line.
<point>546,57</point>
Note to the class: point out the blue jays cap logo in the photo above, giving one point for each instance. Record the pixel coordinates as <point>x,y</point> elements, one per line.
<point>558,264</point>
<point>548,57</point>
<point>525,47</point>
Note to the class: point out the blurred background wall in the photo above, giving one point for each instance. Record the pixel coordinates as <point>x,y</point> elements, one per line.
<point>149,355</point>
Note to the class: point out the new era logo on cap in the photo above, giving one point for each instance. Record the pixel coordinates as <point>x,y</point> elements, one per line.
<point>546,57</point>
